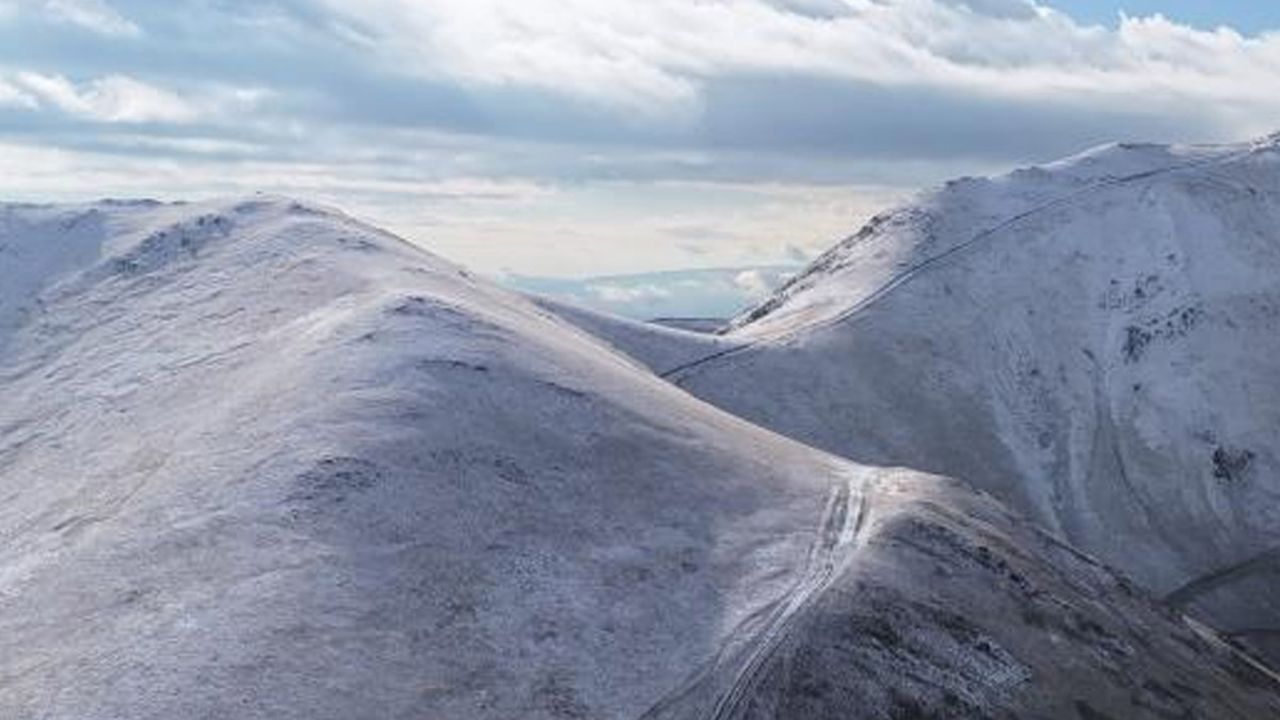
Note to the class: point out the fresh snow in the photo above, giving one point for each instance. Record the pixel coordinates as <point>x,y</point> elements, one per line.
<point>259,460</point>
<point>1094,341</point>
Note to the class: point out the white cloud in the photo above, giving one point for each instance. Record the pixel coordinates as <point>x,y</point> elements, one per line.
<point>125,99</point>
<point>13,96</point>
<point>615,293</point>
<point>752,282</point>
<point>114,98</point>
<point>657,56</point>
<point>94,15</point>
<point>592,137</point>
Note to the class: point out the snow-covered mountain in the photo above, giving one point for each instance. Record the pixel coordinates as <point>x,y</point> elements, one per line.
<point>1095,341</point>
<point>258,460</point>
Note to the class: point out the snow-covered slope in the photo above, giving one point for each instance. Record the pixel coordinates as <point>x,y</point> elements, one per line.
<point>260,461</point>
<point>1094,340</point>
<point>661,348</point>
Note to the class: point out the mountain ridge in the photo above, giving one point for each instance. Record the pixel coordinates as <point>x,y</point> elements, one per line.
<point>1072,350</point>
<point>264,460</point>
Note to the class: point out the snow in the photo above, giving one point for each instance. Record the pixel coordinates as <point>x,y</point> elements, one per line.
<point>659,346</point>
<point>1092,341</point>
<point>259,460</point>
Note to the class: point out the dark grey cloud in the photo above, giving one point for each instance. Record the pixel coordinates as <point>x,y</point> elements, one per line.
<point>850,119</point>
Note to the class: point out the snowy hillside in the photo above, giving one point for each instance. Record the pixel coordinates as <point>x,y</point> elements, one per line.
<point>1094,341</point>
<point>261,461</point>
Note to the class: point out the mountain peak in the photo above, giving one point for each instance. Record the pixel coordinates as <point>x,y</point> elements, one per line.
<point>1084,339</point>
<point>975,215</point>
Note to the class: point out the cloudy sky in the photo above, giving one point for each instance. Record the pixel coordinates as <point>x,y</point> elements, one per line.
<point>590,137</point>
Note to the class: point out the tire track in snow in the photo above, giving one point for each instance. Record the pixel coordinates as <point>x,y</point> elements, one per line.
<point>841,522</point>
<point>843,517</point>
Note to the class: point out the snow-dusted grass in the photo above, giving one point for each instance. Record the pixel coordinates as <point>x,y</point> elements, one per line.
<point>1093,341</point>
<point>260,461</point>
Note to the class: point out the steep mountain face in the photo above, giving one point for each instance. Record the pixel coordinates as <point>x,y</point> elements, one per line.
<point>1093,341</point>
<point>261,461</point>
